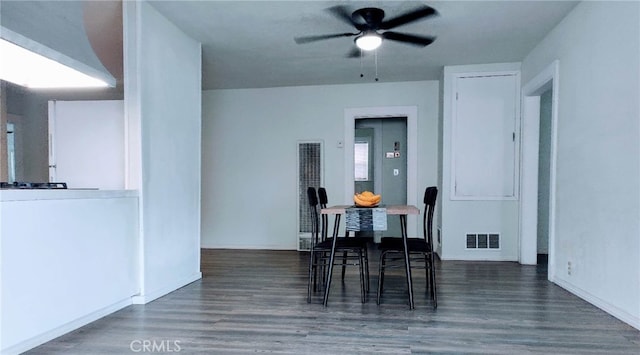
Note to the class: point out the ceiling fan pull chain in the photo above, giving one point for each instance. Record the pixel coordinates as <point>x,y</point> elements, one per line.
<point>375,54</point>
<point>361,65</point>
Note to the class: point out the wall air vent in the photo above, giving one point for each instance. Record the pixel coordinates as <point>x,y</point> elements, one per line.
<point>483,241</point>
<point>310,174</point>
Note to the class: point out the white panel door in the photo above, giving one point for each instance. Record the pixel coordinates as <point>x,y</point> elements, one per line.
<point>86,143</point>
<point>484,137</point>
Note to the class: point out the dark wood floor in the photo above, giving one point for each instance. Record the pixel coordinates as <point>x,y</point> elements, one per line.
<point>255,302</point>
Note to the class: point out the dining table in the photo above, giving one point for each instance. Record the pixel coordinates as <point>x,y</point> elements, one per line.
<point>391,210</point>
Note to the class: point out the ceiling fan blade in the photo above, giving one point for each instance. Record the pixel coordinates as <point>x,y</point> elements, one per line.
<point>307,39</point>
<point>342,14</point>
<point>415,40</point>
<point>411,16</point>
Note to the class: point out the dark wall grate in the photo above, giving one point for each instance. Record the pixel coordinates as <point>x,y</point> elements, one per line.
<point>483,241</point>
<point>309,175</point>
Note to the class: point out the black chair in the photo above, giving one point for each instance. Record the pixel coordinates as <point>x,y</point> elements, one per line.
<point>362,242</point>
<point>420,249</point>
<point>320,252</point>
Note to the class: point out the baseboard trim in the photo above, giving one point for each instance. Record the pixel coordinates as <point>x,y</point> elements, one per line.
<point>153,295</point>
<point>66,328</point>
<point>476,258</point>
<point>600,303</point>
<point>248,247</point>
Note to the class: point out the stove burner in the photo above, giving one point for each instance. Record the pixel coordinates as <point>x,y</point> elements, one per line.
<point>20,185</point>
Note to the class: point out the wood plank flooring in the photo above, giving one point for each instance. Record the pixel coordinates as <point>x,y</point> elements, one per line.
<point>254,301</point>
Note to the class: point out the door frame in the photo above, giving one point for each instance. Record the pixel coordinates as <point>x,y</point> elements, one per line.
<point>411,114</point>
<point>547,78</point>
<point>51,122</point>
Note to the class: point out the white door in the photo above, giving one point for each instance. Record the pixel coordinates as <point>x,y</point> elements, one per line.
<point>86,143</point>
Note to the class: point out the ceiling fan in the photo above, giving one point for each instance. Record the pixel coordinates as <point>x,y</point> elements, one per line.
<point>370,22</point>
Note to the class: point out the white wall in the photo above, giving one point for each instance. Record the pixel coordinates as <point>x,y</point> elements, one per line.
<point>598,170</point>
<point>66,259</point>
<point>249,153</point>
<point>162,71</point>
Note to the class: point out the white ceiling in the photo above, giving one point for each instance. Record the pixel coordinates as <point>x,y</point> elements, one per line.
<point>249,44</point>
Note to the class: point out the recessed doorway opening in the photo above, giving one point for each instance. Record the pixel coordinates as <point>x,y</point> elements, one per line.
<point>539,140</point>
<point>410,115</point>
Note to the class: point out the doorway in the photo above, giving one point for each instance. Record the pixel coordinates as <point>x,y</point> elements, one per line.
<point>380,163</point>
<point>537,198</point>
<point>544,156</point>
<point>410,114</point>
<point>11,152</point>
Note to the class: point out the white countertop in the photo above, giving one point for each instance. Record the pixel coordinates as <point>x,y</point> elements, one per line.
<point>62,194</point>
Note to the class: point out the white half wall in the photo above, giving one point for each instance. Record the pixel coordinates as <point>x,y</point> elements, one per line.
<point>66,259</point>
<point>163,103</point>
<point>249,154</point>
<point>597,226</point>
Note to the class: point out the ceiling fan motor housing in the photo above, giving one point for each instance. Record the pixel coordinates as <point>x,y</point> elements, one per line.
<point>368,18</point>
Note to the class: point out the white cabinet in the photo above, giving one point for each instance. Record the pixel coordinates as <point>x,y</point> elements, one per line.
<point>480,162</point>
<point>483,137</point>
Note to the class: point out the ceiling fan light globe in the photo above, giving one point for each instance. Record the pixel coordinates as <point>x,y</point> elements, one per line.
<point>368,42</point>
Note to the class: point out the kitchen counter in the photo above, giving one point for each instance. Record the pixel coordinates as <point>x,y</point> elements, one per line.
<point>58,194</point>
<point>68,257</point>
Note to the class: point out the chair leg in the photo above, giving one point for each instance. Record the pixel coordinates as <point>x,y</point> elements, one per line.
<point>315,272</point>
<point>427,273</point>
<point>362,281</point>
<point>324,257</point>
<point>434,293</point>
<point>381,276</point>
<point>344,264</point>
<point>327,287</point>
<point>311,276</point>
<point>366,267</point>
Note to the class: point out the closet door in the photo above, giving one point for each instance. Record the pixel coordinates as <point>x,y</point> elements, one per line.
<point>485,137</point>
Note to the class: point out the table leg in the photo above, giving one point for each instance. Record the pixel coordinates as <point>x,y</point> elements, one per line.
<point>331,258</point>
<point>407,265</point>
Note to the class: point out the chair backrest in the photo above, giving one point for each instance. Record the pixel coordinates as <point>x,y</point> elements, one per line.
<point>312,197</point>
<point>322,196</point>
<point>324,200</point>
<point>313,208</point>
<point>430,196</point>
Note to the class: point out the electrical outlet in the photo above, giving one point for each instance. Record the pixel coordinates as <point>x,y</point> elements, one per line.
<point>568,267</point>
